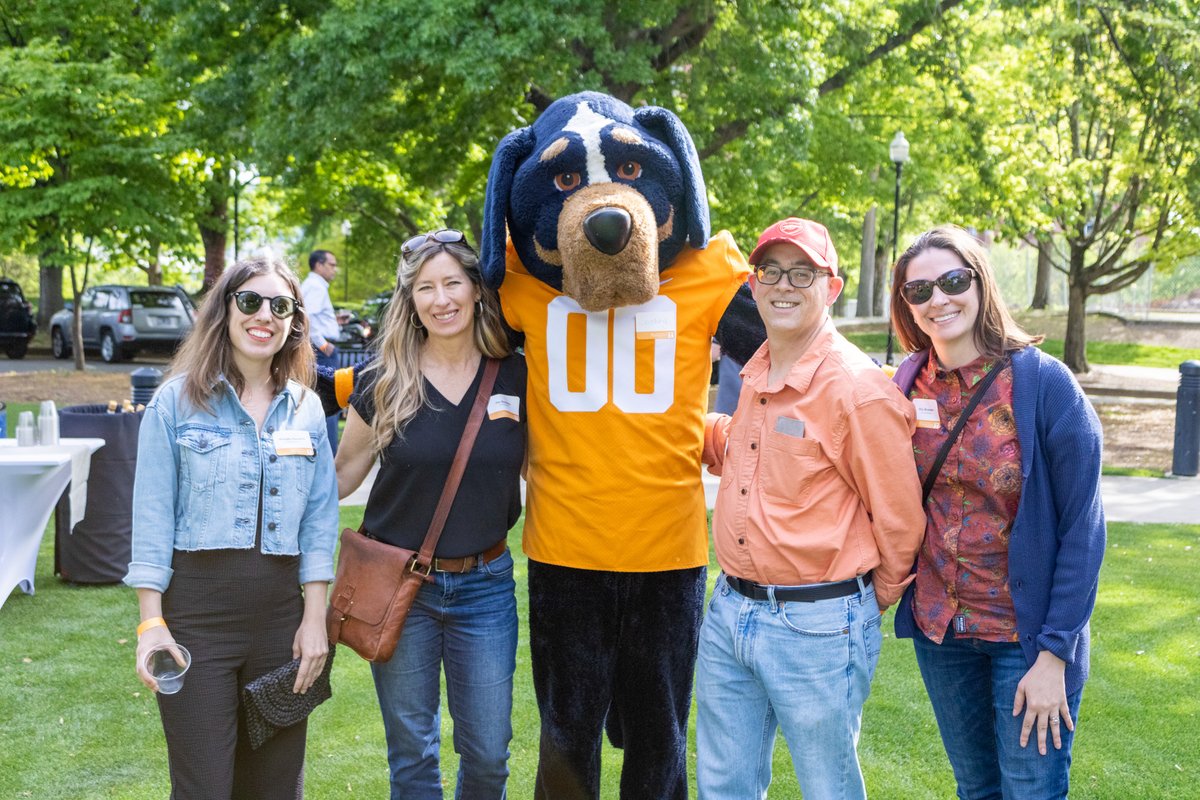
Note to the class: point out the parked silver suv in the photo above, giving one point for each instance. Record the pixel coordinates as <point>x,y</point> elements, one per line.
<point>121,320</point>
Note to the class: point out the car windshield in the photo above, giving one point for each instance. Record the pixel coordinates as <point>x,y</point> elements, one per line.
<point>155,300</point>
<point>10,291</point>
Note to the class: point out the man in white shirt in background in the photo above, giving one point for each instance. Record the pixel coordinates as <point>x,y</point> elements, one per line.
<point>322,320</point>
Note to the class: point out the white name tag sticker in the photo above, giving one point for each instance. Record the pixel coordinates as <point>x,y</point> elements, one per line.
<point>292,443</point>
<point>504,406</point>
<point>654,325</point>
<point>927,412</point>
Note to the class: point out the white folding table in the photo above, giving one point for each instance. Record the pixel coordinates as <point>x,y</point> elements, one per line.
<point>31,481</point>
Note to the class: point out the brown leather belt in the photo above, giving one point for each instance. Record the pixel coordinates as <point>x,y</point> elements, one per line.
<point>468,563</point>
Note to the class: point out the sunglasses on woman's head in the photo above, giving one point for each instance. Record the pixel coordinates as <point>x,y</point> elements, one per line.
<point>956,281</point>
<point>249,302</point>
<point>443,236</point>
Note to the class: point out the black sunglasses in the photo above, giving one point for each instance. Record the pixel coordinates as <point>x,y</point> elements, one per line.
<point>956,281</point>
<point>249,302</point>
<point>443,236</point>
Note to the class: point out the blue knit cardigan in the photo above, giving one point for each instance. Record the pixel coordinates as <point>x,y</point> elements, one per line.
<point>1058,536</point>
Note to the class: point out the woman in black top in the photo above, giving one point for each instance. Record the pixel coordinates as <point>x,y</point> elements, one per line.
<point>409,408</point>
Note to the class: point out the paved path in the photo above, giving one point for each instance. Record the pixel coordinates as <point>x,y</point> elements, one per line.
<point>1171,500</point>
<point>1151,499</point>
<point>1107,382</point>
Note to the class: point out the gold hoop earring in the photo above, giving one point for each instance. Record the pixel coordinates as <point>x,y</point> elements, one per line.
<point>415,321</point>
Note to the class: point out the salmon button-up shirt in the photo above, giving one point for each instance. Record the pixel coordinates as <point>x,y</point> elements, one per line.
<point>818,481</point>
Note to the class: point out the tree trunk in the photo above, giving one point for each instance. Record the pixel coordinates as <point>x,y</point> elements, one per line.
<point>214,256</point>
<point>1041,284</point>
<point>214,228</point>
<point>50,277</point>
<point>154,276</point>
<point>1074,350</point>
<point>77,335</point>
<point>881,266</point>
<point>50,296</point>
<point>866,265</point>
<point>77,313</point>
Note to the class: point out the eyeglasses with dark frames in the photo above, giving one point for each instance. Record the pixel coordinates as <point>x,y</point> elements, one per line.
<point>442,236</point>
<point>956,281</point>
<point>798,277</point>
<point>248,302</point>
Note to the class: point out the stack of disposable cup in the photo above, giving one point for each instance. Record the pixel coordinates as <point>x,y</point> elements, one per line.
<point>48,423</point>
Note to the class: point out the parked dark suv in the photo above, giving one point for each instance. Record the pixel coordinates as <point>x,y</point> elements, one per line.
<point>121,320</point>
<point>17,325</point>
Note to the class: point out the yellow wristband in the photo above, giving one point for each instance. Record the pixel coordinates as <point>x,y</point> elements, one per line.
<point>147,624</point>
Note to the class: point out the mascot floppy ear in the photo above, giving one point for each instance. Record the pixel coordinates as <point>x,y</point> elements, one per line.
<point>513,149</point>
<point>670,130</point>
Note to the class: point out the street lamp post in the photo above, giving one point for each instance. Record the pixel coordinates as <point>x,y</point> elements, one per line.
<point>898,150</point>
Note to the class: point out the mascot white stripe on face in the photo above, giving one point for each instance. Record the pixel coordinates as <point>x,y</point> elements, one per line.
<point>588,124</point>
<point>596,233</point>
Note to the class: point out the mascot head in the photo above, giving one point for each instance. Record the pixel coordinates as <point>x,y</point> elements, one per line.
<point>598,199</point>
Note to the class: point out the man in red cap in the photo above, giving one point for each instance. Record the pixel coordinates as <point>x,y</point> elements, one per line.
<point>817,523</point>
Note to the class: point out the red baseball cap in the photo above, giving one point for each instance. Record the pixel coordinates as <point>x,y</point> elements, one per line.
<point>811,237</point>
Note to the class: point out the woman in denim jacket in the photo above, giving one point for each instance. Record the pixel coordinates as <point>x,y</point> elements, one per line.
<point>234,525</point>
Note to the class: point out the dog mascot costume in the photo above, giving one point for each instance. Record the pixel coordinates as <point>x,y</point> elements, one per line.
<point>596,233</point>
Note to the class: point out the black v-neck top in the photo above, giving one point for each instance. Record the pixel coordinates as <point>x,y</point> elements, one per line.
<point>413,471</point>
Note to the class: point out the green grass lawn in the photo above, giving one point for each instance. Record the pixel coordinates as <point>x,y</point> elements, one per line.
<point>76,723</point>
<point>1098,352</point>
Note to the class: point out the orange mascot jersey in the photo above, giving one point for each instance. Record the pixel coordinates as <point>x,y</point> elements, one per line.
<point>616,403</point>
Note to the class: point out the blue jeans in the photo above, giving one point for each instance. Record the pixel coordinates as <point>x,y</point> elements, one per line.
<point>331,422</point>
<point>468,623</point>
<point>971,684</point>
<point>805,668</point>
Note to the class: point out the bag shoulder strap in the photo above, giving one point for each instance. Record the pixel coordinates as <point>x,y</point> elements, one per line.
<point>980,391</point>
<point>458,467</point>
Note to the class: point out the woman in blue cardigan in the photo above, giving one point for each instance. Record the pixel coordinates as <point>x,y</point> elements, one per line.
<point>1006,578</point>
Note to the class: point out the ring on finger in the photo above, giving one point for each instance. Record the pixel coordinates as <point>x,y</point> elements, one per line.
<point>1054,720</point>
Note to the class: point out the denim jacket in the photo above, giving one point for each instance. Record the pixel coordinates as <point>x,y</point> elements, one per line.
<point>198,478</point>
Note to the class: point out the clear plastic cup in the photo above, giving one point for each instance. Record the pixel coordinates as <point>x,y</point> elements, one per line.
<point>161,662</point>
<point>26,433</point>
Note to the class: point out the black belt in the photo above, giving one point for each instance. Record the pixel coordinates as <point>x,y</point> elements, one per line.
<point>797,594</point>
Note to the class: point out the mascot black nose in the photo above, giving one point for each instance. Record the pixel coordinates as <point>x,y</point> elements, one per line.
<point>608,230</point>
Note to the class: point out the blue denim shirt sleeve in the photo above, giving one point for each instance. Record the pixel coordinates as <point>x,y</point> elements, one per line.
<point>318,526</point>
<point>155,486</point>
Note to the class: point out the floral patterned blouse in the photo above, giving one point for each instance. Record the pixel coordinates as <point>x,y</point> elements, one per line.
<point>962,568</point>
